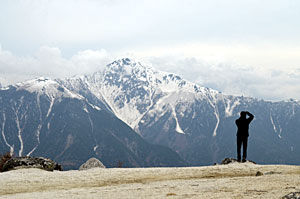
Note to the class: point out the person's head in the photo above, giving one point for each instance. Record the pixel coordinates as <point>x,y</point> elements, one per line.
<point>243,114</point>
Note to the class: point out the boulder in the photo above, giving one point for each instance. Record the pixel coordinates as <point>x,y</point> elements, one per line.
<point>31,162</point>
<point>91,163</point>
<point>259,173</point>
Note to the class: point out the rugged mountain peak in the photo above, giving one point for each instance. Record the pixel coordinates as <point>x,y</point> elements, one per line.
<point>48,87</point>
<point>128,71</point>
<point>125,63</point>
<point>132,89</point>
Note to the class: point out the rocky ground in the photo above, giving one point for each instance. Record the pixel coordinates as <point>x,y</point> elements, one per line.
<point>235,180</point>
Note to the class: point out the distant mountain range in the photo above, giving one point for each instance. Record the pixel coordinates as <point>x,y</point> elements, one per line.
<point>42,118</point>
<point>75,118</point>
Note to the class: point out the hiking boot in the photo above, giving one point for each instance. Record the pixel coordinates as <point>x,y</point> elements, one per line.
<point>244,160</point>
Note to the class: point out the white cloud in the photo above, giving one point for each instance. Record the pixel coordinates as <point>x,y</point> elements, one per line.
<point>272,83</point>
<point>260,55</point>
<point>263,83</point>
<point>49,62</point>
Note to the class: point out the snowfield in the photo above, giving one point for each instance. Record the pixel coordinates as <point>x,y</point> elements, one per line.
<point>235,180</point>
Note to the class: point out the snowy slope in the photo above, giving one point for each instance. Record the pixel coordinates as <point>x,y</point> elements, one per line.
<point>40,117</point>
<point>48,87</point>
<point>30,105</point>
<point>132,90</point>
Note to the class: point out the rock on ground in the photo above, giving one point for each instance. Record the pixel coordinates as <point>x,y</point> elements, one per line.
<point>31,162</point>
<point>232,160</point>
<point>294,195</point>
<point>92,163</point>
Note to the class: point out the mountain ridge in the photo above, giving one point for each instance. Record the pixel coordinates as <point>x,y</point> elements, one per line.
<point>165,109</point>
<point>42,118</point>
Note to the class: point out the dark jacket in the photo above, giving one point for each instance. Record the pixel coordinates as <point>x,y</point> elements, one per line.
<point>243,125</point>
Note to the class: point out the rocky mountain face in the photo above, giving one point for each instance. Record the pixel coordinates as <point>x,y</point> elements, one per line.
<point>43,118</point>
<point>196,122</point>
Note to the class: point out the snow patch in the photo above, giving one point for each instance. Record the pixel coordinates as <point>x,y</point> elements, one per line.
<point>4,137</point>
<point>178,128</point>
<point>38,130</point>
<point>127,69</point>
<point>94,107</point>
<point>4,88</point>
<point>229,107</point>
<point>213,103</point>
<point>50,107</point>
<point>85,109</point>
<point>48,87</point>
<point>18,119</point>
<point>274,127</point>
<point>96,147</point>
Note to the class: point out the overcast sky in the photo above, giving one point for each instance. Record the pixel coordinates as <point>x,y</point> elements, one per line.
<point>241,47</point>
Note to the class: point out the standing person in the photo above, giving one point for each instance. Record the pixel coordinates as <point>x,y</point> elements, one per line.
<point>243,133</point>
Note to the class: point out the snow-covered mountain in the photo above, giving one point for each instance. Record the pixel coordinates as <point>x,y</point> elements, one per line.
<point>131,89</point>
<point>195,121</point>
<point>73,119</point>
<point>40,117</point>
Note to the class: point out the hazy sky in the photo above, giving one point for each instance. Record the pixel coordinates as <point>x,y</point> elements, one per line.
<point>242,47</point>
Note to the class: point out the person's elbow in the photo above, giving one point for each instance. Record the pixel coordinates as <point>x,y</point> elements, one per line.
<point>251,117</point>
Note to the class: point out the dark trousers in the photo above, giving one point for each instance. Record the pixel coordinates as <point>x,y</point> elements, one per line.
<point>241,140</point>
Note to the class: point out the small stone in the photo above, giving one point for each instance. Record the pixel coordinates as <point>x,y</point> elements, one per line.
<point>228,161</point>
<point>259,173</point>
<point>91,163</point>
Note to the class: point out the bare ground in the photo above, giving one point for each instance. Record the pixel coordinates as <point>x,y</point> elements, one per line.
<point>235,180</point>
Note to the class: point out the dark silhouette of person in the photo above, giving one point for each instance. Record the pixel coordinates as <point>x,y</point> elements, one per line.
<point>242,134</point>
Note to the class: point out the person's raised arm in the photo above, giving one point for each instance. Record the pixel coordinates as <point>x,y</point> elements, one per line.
<point>250,116</point>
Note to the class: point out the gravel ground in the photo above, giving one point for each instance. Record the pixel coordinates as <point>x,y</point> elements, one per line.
<point>235,180</point>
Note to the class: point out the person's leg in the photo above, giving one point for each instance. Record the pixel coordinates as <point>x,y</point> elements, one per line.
<point>245,144</point>
<point>239,145</point>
